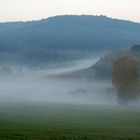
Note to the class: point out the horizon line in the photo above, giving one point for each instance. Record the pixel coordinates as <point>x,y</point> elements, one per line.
<point>45,18</point>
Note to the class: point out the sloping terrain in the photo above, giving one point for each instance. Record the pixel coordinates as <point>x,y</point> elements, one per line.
<point>103,68</point>
<point>63,38</point>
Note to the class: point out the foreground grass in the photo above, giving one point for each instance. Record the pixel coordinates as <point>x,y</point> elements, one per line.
<point>38,121</point>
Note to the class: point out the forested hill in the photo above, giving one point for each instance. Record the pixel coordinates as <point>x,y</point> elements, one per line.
<point>62,37</point>
<point>103,68</point>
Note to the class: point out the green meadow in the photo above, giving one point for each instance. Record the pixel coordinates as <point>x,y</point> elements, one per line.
<point>52,121</point>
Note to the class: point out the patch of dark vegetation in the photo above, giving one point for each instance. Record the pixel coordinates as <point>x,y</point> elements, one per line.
<point>78,92</point>
<point>58,137</point>
<point>125,78</point>
<point>53,137</point>
<point>135,48</point>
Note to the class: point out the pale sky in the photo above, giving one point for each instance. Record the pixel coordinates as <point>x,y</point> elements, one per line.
<point>15,10</point>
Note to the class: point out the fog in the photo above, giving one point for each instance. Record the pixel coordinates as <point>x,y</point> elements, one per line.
<point>61,67</point>
<point>30,87</point>
<point>55,91</point>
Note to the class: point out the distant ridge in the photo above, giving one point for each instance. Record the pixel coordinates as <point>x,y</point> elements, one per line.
<point>62,38</point>
<point>68,15</point>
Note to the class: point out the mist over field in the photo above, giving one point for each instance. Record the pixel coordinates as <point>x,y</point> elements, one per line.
<point>38,86</point>
<point>32,86</point>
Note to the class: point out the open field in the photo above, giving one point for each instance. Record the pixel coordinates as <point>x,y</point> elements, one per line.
<point>44,121</point>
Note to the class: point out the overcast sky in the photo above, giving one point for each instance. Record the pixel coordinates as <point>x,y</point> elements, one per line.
<point>13,10</point>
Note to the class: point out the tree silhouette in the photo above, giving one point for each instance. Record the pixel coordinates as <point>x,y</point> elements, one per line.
<point>125,78</point>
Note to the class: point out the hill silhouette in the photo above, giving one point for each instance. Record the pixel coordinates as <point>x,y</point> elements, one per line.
<point>63,38</point>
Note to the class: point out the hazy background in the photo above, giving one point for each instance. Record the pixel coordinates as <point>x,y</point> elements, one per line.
<point>13,10</point>
<point>27,49</point>
<point>37,86</point>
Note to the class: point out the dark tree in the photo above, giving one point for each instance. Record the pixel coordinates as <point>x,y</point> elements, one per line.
<point>125,78</point>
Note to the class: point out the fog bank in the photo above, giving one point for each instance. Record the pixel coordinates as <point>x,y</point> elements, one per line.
<point>29,88</point>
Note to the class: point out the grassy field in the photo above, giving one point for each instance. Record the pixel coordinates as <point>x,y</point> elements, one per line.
<point>47,121</point>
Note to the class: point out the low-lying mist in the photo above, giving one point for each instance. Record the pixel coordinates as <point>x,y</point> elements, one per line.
<point>62,91</point>
<point>31,88</point>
